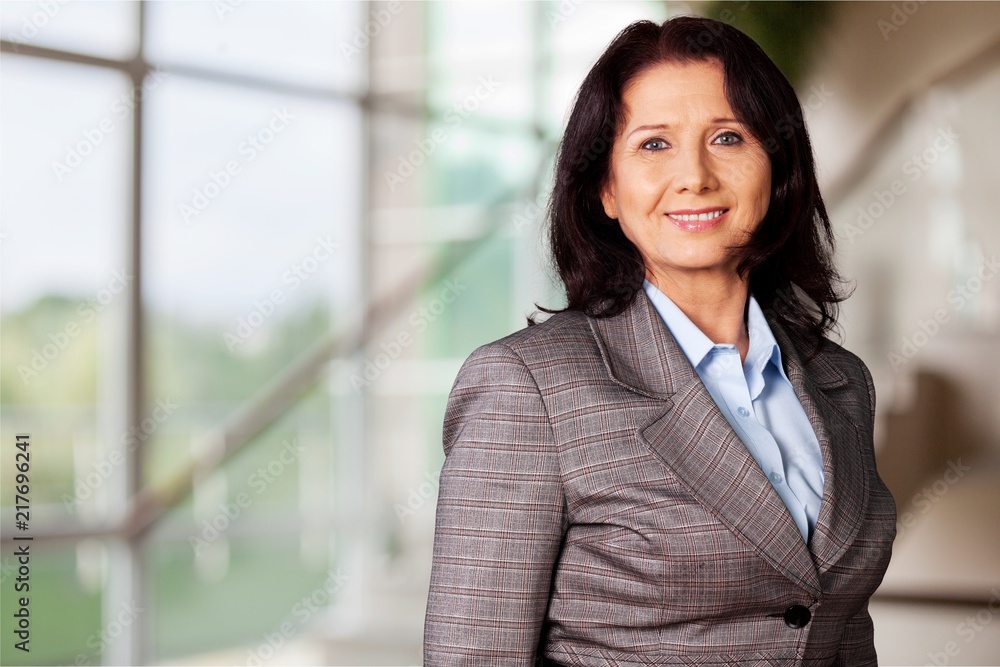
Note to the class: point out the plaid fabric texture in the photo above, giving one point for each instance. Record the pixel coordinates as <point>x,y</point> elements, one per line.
<point>596,508</point>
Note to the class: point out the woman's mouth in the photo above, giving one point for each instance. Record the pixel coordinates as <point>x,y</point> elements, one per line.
<point>697,220</point>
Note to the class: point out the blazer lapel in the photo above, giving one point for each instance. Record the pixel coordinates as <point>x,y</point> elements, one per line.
<point>694,440</point>
<point>818,384</point>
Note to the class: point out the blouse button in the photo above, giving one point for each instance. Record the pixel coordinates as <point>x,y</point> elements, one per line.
<point>776,478</point>
<point>743,412</point>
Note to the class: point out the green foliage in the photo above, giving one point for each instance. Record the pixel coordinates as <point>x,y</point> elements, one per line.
<point>193,364</point>
<point>49,382</point>
<point>42,364</point>
<point>185,361</point>
<point>65,619</point>
<point>232,607</point>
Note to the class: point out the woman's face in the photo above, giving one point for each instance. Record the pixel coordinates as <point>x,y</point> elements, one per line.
<point>687,180</point>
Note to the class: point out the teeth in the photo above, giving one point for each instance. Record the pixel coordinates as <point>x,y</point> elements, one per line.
<point>699,217</point>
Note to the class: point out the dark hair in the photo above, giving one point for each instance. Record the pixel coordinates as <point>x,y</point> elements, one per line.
<point>788,259</point>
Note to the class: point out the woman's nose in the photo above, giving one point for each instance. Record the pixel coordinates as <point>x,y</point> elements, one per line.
<point>693,170</point>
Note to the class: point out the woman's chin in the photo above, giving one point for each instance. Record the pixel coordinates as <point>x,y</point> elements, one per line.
<point>698,264</point>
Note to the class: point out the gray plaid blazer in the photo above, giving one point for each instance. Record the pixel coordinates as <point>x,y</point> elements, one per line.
<point>596,508</point>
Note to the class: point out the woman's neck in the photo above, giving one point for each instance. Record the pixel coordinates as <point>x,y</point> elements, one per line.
<point>716,304</point>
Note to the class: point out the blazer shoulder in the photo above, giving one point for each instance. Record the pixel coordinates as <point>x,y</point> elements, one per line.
<point>855,368</point>
<point>845,360</point>
<point>563,335</point>
<point>836,366</point>
<point>513,374</point>
<point>831,357</point>
<point>839,354</point>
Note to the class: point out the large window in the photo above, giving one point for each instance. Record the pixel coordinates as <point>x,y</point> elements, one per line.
<point>231,148</point>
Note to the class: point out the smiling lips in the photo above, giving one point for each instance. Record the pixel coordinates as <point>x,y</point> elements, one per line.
<point>698,220</point>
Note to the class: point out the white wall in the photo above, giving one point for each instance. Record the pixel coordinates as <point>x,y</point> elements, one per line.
<point>928,183</point>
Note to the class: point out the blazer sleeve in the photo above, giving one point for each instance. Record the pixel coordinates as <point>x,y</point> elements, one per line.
<point>871,391</point>
<point>500,518</point>
<point>857,647</point>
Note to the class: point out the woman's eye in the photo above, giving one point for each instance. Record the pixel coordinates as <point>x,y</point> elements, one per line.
<point>654,145</point>
<point>728,139</point>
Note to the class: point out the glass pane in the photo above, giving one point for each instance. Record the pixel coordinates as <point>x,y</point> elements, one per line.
<point>313,43</point>
<point>409,445</point>
<point>65,176</point>
<point>267,590</point>
<point>583,30</point>
<point>252,215</point>
<point>579,33</point>
<point>481,57</point>
<point>108,29</point>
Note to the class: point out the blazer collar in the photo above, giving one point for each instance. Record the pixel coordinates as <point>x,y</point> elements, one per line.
<point>820,387</point>
<point>794,350</point>
<point>641,358</point>
<point>638,354</point>
<point>693,439</point>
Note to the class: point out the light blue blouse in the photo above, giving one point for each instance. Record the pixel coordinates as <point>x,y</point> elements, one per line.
<point>759,402</point>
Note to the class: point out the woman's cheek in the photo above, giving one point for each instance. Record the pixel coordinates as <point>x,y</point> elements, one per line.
<point>650,180</point>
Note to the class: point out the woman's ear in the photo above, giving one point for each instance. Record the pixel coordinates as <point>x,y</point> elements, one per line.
<point>609,201</point>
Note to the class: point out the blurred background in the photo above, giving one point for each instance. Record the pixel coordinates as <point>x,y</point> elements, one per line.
<point>247,245</point>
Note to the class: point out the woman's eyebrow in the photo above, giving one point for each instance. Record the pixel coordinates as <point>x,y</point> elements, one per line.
<point>666,126</point>
<point>659,126</point>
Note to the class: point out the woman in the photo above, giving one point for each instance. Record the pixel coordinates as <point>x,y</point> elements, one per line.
<point>678,467</point>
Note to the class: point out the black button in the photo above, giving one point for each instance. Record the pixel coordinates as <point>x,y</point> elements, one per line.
<point>797,616</point>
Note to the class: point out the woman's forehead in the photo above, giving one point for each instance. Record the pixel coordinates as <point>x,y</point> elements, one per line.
<point>670,93</point>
